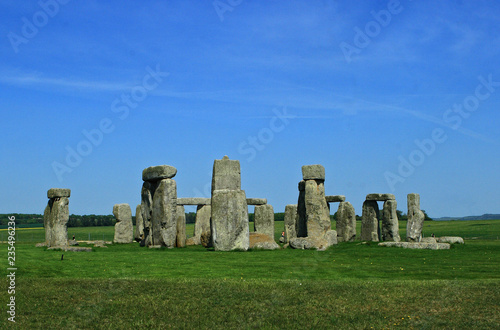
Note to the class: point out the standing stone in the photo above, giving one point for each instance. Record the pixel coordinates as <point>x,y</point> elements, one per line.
<point>317,212</point>
<point>124,230</point>
<point>369,222</point>
<point>415,219</point>
<point>181,227</point>
<point>300,225</point>
<point>264,220</point>
<point>346,222</point>
<point>229,217</point>
<point>147,192</point>
<point>201,233</point>
<point>226,174</point>
<point>139,224</point>
<point>164,221</point>
<point>313,226</point>
<point>56,217</point>
<point>290,221</point>
<point>390,223</point>
<point>229,220</point>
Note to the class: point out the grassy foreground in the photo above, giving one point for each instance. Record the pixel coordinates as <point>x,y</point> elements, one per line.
<point>351,285</point>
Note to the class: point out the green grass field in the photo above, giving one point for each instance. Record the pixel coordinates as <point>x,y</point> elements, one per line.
<point>351,285</point>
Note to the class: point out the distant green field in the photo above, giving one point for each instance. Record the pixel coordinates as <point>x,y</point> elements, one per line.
<point>351,285</point>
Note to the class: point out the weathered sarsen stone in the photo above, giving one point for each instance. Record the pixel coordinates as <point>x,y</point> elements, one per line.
<point>390,223</point>
<point>58,192</point>
<point>313,226</point>
<point>369,222</point>
<point>346,222</point>
<point>229,220</point>
<point>139,224</point>
<point>415,219</point>
<point>317,212</point>
<point>193,201</point>
<point>155,173</point>
<point>256,201</point>
<point>335,199</point>
<point>262,242</point>
<point>164,221</point>
<point>380,197</point>
<point>313,172</point>
<point>226,174</point>
<point>202,233</point>
<point>55,218</point>
<point>147,192</point>
<point>181,227</point>
<point>124,230</point>
<point>264,220</point>
<point>290,221</point>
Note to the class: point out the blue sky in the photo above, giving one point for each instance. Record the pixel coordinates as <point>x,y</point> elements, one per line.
<point>390,97</point>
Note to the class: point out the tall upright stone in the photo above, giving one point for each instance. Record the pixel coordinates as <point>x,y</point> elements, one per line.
<point>56,217</point>
<point>390,223</point>
<point>346,222</point>
<point>159,205</point>
<point>290,222</point>
<point>139,224</point>
<point>202,227</point>
<point>180,240</point>
<point>369,221</point>
<point>124,229</point>
<point>415,219</point>
<point>229,225</point>
<point>164,221</point>
<point>313,213</point>
<point>301,223</point>
<point>201,234</point>
<point>264,220</point>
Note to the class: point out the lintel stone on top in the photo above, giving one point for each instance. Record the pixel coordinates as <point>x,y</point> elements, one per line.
<point>58,192</point>
<point>313,172</point>
<point>154,173</point>
<point>193,201</point>
<point>256,201</point>
<point>380,197</point>
<point>335,198</point>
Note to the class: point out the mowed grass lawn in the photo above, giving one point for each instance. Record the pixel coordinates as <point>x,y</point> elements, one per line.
<point>351,285</point>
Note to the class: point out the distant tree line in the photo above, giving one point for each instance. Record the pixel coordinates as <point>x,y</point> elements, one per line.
<point>93,220</point>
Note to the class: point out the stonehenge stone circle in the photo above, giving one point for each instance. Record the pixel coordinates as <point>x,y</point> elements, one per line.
<point>124,230</point>
<point>369,221</point>
<point>415,219</point>
<point>229,225</point>
<point>346,222</point>
<point>264,220</point>
<point>55,218</point>
<point>180,240</point>
<point>139,224</point>
<point>290,221</point>
<point>390,223</point>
